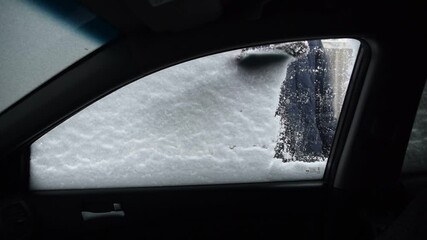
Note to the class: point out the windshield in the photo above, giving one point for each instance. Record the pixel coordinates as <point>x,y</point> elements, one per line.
<point>41,38</point>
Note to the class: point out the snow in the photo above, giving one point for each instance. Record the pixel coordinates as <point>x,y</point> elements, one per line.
<point>206,121</point>
<point>415,160</point>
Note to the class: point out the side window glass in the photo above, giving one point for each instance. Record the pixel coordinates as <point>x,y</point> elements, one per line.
<point>416,153</point>
<point>258,114</point>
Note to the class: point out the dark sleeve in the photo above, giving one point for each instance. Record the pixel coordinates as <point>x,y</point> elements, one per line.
<point>326,121</point>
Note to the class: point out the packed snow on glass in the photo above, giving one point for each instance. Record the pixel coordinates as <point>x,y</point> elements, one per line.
<point>417,146</point>
<point>206,121</point>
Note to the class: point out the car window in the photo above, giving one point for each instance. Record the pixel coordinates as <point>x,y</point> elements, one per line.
<point>416,152</point>
<point>39,39</point>
<point>258,114</point>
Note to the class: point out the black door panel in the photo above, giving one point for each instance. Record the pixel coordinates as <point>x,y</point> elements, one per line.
<point>228,212</point>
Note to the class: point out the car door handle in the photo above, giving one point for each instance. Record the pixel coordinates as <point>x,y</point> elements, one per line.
<point>116,213</point>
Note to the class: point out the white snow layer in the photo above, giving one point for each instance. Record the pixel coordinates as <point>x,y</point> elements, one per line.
<point>206,121</point>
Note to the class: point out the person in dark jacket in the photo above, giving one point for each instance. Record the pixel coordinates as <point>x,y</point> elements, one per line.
<point>306,108</point>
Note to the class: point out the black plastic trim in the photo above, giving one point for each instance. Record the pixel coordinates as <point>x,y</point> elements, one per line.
<point>101,191</point>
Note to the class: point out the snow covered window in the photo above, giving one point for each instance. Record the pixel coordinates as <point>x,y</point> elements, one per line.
<point>415,158</point>
<point>257,114</point>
